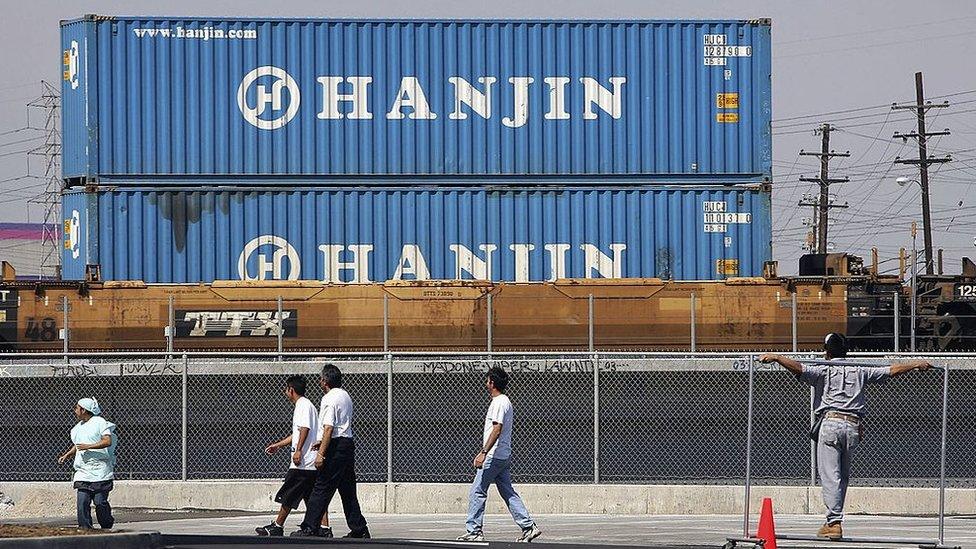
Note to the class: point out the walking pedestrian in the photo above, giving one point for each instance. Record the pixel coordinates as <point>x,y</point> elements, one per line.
<point>493,464</point>
<point>300,479</point>
<point>840,408</point>
<point>93,443</point>
<point>335,460</point>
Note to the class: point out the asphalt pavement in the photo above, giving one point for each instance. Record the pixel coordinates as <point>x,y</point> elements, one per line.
<point>706,530</point>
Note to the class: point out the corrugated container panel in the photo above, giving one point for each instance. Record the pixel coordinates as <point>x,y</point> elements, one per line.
<point>665,99</point>
<point>346,235</point>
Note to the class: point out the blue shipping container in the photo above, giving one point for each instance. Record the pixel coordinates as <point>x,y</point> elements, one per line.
<point>665,100</point>
<point>344,235</point>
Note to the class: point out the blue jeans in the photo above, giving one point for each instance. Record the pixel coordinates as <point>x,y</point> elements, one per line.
<point>498,472</point>
<point>103,511</point>
<point>836,444</point>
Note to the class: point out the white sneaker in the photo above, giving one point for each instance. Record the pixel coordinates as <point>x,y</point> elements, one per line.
<point>472,536</point>
<point>529,534</point>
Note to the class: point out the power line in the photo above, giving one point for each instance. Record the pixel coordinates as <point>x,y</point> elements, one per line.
<point>878,45</point>
<point>25,128</point>
<point>820,114</point>
<point>793,192</point>
<point>886,114</point>
<point>861,33</point>
<point>22,141</point>
<point>871,107</point>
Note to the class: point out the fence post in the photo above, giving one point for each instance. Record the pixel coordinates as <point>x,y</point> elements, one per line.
<point>589,323</point>
<point>897,307</point>
<point>745,507</point>
<point>491,321</point>
<point>186,368</point>
<point>942,457</point>
<point>595,359</point>
<point>169,330</point>
<point>911,335</point>
<point>793,322</point>
<point>67,332</point>
<point>796,348</point>
<point>596,417</point>
<point>389,388</point>
<point>389,417</point>
<point>281,330</point>
<point>813,443</point>
<point>693,303</point>
<point>386,323</point>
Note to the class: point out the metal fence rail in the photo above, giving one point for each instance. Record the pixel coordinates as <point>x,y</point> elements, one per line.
<point>753,318</point>
<point>580,417</point>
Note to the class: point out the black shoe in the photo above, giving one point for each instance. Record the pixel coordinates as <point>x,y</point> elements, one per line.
<point>303,533</point>
<point>360,534</point>
<point>324,532</point>
<point>270,530</point>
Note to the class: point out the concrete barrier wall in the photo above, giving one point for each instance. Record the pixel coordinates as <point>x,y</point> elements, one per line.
<point>51,499</point>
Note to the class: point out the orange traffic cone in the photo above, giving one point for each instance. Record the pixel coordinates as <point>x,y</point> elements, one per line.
<point>767,531</point>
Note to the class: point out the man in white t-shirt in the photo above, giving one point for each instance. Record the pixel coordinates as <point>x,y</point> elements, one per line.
<point>493,464</point>
<point>335,459</point>
<point>93,442</point>
<point>301,475</point>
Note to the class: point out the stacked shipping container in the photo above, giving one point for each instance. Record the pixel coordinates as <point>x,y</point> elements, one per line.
<point>543,148</point>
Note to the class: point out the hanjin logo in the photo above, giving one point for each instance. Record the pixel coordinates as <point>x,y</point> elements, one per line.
<point>263,97</point>
<point>72,228</point>
<point>282,251</point>
<point>264,104</point>
<point>71,65</point>
<point>236,323</point>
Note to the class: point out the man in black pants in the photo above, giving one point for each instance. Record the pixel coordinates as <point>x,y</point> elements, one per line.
<point>335,461</point>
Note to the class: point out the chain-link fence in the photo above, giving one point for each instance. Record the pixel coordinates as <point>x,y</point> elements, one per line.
<point>580,418</point>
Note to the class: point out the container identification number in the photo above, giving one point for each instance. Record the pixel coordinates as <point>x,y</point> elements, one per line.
<point>966,292</point>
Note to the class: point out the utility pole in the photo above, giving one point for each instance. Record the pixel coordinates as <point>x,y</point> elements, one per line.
<point>811,242</point>
<point>923,160</point>
<point>824,203</point>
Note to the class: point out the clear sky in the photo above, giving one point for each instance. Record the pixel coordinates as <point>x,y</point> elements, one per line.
<point>828,56</point>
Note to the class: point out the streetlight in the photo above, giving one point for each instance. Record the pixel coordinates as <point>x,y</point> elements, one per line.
<point>903,181</point>
<point>926,221</point>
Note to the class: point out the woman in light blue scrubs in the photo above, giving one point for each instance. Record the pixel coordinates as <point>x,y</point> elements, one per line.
<point>93,443</point>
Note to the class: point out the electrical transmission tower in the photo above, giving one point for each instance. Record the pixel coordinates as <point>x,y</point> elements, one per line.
<point>49,105</point>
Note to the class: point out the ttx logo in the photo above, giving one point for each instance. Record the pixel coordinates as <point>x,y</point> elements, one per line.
<point>236,323</point>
